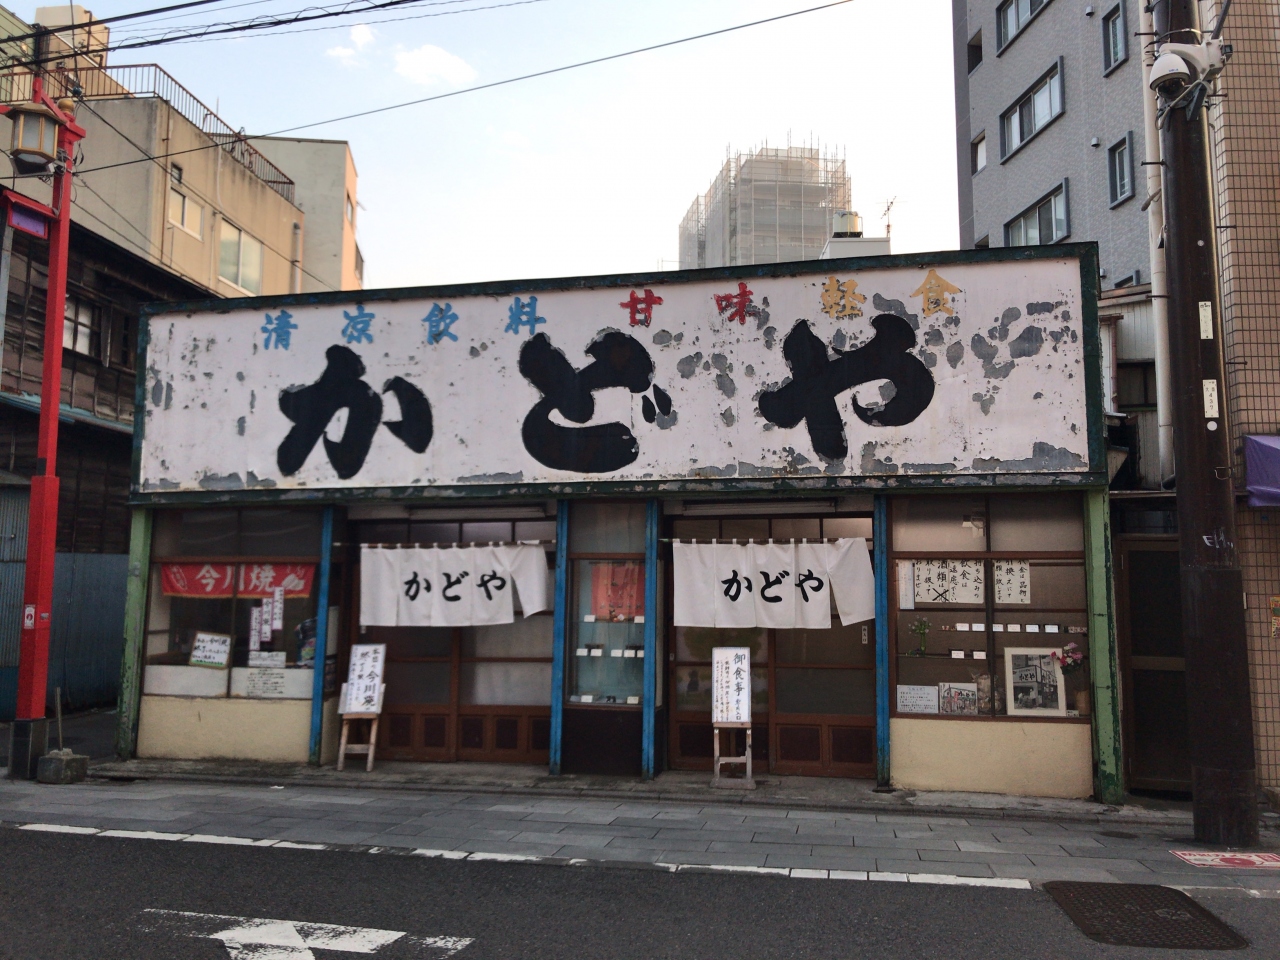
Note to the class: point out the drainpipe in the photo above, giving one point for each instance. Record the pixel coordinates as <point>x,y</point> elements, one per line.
<point>1155,231</point>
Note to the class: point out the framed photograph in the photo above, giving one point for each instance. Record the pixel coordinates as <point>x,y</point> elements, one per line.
<point>958,699</point>
<point>1033,682</point>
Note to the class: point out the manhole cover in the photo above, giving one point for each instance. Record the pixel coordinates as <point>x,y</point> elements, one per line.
<point>1142,915</point>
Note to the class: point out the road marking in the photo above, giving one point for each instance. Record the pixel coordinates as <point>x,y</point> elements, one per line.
<point>232,841</point>
<point>57,828</point>
<point>262,938</point>
<point>144,835</point>
<point>1006,883</point>
<point>1233,861</point>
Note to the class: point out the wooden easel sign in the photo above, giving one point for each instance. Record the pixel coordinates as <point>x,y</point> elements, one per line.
<point>361,698</point>
<point>731,708</point>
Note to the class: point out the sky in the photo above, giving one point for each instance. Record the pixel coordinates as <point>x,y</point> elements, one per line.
<point>588,171</point>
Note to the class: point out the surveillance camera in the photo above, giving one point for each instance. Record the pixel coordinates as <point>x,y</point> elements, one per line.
<point>1169,73</point>
<point>1178,64</point>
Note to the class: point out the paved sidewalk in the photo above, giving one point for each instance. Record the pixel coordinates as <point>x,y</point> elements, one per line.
<point>828,794</point>
<point>635,831</point>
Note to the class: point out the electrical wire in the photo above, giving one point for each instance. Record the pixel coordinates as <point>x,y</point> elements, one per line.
<point>371,22</point>
<point>85,25</point>
<point>147,32</point>
<point>200,196</point>
<point>483,86</point>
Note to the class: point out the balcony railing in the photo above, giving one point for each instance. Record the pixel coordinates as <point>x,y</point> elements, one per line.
<point>149,80</point>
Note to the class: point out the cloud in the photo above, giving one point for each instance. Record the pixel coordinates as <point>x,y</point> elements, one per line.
<point>429,65</point>
<point>362,35</point>
<point>344,55</point>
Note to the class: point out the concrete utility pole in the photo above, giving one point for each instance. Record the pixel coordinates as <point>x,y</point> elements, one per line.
<point>1219,707</point>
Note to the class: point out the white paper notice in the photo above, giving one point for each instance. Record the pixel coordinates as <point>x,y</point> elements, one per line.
<point>255,628</point>
<point>277,608</point>
<point>906,585</point>
<point>949,581</point>
<point>1013,580</point>
<point>267,658</point>
<point>731,685</point>
<point>210,650</point>
<point>265,684</point>
<point>912,699</point>
<point>364,679</point>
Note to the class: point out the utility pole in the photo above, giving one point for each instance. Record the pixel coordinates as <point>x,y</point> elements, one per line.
<point>1219,707</point>
<point>29,732</point>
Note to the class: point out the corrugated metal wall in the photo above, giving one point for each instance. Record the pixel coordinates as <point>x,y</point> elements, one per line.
<point>88,616</point>
<point>87,638</point>
<point>13,552</point>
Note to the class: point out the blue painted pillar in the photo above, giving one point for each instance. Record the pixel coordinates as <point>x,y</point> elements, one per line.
<point>322,635</point>
<point>560,639</point>
<point>649,701</point>
<point>880,535</point>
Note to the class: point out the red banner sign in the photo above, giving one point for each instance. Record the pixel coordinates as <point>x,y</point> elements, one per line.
<point>217,580</point>
<point>260,579</point>
<point>198,579</point>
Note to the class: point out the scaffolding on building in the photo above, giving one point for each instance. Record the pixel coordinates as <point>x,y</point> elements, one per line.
<point>771,205</point>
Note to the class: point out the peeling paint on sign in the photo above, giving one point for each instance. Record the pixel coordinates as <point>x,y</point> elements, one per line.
<point>966,368</point>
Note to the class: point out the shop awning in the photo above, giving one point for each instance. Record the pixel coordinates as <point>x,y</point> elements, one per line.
<point>1262,470</point>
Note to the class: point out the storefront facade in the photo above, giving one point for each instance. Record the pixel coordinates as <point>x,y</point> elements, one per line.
<point>573,474</point>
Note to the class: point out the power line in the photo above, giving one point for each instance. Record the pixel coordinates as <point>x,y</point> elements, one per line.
<point>148,32</point>
<point>44,31</point>
<point>343,26</point>
<point>348,9</point>
<point>147,155</point>
<point>483,86</point>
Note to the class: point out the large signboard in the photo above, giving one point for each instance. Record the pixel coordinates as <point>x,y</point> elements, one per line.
<point>928,370</point>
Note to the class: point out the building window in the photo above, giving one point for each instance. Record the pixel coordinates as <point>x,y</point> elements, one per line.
<point>1032,113</point>
<point>975,51</point>
<point>81,326</point>
<point>351,211</point>
<point>1120,170</point>
<point>1012,16</point>
<point>185,212</point>
<point>1136,386</point>
<point>175,173</point>
<point>983,242</point>
<point>1045,222</point>
<point>1115,42</point>
<point>359,265</point>
<point>240,259</point>
<point>978,153</point>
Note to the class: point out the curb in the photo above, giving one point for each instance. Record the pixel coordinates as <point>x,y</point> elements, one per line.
<point>797,873</point>
<point>1107,814</point>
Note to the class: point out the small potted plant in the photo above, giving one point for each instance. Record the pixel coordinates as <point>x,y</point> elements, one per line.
<point>920,626</point>
<point>1071,659</point>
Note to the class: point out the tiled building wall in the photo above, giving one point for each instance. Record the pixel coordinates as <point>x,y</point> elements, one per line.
<point>1245,137</point>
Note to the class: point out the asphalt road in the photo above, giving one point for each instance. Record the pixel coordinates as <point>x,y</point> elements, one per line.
<point>71,897</point>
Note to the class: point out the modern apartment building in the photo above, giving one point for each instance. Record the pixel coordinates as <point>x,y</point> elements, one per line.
<point>1050,146</point>
<point>773,205</point>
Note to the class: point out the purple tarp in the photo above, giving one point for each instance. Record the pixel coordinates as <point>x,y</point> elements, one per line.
<point>1262,470</point>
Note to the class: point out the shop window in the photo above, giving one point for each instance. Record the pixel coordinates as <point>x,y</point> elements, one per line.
<point>81,327</point>
<point>978,576</point>
<point>607,606</point>
<point>213,629</point>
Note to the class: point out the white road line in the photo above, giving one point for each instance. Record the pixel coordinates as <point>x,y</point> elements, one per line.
<point>506,857</point>
<point>57,828</point>
<point>230,841</point>
<point>948,879</point>
<point>144,835</point>
<point>261,938</point>
<point>442,854</point>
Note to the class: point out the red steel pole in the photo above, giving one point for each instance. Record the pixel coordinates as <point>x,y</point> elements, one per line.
<point>42,522</point>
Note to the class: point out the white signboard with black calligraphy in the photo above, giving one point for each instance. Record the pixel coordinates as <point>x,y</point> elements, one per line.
<point>363,689</point>
<point>731,685</point>
<point>928,370</point>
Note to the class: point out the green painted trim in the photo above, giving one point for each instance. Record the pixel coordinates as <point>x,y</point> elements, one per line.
<point>764,488</point>
<point>1104,658</point>
<point>1091,331</point>
<point>135,632</point>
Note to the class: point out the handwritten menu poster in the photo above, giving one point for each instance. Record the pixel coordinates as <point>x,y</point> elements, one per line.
<point>364,680</point>
<point>731,685</point>
<point>1013,580</point>
<point>617,591</point>
<point>949,581</point>
<point>210,650</point>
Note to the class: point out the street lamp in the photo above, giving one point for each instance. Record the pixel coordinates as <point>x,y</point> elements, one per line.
<point>44,137</point>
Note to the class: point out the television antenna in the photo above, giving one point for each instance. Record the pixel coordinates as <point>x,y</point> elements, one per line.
<point>888,206</point>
